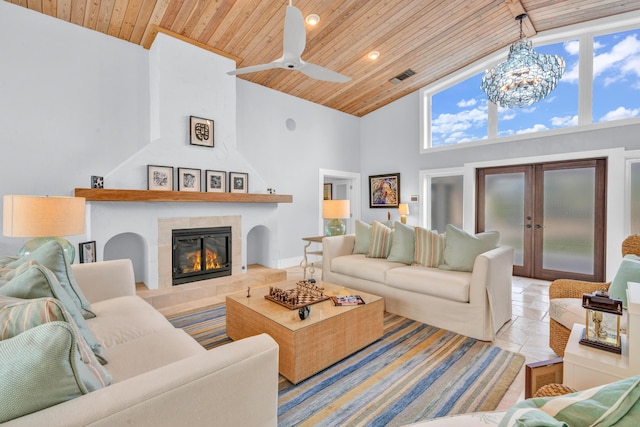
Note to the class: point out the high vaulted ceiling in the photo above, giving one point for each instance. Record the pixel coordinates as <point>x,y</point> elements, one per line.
<point>432,37</point>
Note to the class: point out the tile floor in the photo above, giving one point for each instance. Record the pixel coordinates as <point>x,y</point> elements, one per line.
<point>527,333</point>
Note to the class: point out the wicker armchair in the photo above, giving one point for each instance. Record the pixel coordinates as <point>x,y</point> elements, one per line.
<point>567,288</point>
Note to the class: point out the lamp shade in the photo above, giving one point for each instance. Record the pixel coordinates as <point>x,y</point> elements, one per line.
<point>403,209</point>
<point>39,216</point>
<point>336,209</point>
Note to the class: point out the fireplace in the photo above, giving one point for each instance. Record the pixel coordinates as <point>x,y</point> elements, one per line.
<point>200,253</point>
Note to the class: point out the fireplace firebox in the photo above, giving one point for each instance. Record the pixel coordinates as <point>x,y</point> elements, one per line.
<point>201,253</point>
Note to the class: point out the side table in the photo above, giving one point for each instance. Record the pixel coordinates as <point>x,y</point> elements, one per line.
<point>586,367</point>
<point>305,260</point>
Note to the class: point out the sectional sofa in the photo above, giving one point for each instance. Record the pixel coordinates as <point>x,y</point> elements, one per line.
<point>473,299</point>
<point>154,374</point>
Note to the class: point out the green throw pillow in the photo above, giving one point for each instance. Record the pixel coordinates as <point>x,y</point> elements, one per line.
<point>380,244</point>
<point>363,237</point>
<point>36,281</point>
<point>429,248</point>
<point>403,244</point>
<point>462,248</point>
<point>629,271</point>
<point>41,368</point>
<point>51,255</point>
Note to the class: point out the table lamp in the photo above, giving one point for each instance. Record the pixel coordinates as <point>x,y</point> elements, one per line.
<point>45,218</point>
<point>403,210</point>
<point>334,210</point>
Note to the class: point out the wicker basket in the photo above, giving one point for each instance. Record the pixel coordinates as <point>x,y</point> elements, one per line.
<point>551,390</point>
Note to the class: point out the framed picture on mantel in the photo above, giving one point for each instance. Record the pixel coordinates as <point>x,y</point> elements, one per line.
<point>160,177</point>
<point>238,182</point>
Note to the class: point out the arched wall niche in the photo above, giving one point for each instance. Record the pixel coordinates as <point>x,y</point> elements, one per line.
<point>132,246</point>
<point>259,250</point>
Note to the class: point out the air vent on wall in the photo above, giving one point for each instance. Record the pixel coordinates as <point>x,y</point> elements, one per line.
<point>400,77</point>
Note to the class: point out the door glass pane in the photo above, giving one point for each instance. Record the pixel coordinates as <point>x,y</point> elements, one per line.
<point>446,202</point>
<point>569,220</point>
<point>504,210</point>
<point>635,199</point>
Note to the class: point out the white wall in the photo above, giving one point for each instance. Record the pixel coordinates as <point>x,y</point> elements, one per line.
<point>73,103</point>
<point>289,160</point>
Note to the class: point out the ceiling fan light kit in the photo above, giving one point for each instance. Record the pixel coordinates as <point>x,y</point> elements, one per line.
<point>525,77</point>
<point>294,42</point>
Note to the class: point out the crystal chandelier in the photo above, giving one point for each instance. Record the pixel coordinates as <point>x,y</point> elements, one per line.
<point>525,77</point>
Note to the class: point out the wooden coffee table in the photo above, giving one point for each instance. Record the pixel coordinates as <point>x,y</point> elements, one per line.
<point>328,335</point>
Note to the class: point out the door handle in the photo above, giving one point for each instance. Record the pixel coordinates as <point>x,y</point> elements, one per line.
<point>528,225</point>
<point>538,226</point>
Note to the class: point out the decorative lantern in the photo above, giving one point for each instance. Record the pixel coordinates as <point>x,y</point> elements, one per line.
<point>603,315</point>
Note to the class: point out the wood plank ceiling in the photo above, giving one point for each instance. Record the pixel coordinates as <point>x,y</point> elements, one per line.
<point>433,38</point>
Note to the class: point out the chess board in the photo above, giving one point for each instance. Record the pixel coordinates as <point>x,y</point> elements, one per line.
<point>304,299</point>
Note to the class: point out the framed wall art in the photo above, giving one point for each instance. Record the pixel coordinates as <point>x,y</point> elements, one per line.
<point>384,190</point>
<point>87,251</point>
<point>238,182</point>
<point>159,177</point>
<point>215,181</point>
<point>201,131</point>
<point>328,192</point>
<point>189,179</point>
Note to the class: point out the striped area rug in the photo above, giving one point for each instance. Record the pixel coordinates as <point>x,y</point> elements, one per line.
<point>415,372</point>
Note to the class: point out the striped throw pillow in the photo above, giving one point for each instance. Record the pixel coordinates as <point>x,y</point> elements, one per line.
<point>380,244</point>
<point>20,315</point>
<point>429,248</point>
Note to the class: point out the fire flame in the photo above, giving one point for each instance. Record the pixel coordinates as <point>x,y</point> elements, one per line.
<point>195,259</point>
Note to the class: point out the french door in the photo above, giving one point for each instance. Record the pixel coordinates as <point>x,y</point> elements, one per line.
<point>552,214</point>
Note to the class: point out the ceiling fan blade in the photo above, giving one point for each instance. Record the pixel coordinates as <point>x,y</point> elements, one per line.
<point>321,73</point>
<point>295,35</point>
<point>254,68</point>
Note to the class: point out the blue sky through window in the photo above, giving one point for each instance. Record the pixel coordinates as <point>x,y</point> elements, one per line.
<point>459,113</point>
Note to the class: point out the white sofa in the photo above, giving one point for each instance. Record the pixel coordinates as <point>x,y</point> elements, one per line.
<point>162,376</point>
<point>475,304</point>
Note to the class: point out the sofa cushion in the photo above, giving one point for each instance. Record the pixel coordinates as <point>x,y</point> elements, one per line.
<point>19,315</point>
<point>51,255</point>
<point>429,247</point>
<point>37,281</point>
<point>123,319</point>
<point>149,352</point>
<point>360,266</point>
<point>451,285</point>
<point>403,245</point>
<point>363,237</point>
<point>381,240</point>
<point>629,271</point>
<point>43,368</point>
<point>462,248</point>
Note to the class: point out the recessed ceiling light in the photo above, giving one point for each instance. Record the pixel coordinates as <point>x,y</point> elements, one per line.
<point>373,55</point>
<point>312,19</point>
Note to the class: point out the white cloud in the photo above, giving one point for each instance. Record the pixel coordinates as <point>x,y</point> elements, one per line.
<point>570,73</point>
<point>533,129</point>
<point>572,47</point>
<point>620,113</point>
<point>508,116</point>
<point>620,60</point>
<point>567,121</point>
<point>467,103</point>
<point>598,45</point>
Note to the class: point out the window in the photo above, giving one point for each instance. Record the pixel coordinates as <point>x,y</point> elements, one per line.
<point>446,202</point>
<point>616,76</point>
<point>455,110</point>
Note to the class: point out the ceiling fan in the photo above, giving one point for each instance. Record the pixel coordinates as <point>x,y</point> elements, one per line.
<point>295,39</point>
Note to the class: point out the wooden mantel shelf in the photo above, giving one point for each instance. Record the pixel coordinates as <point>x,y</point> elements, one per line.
<point>112,195</point>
